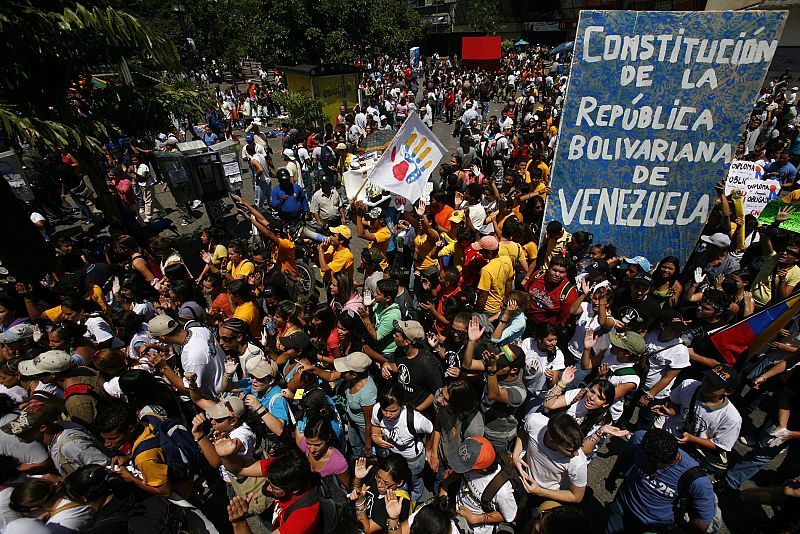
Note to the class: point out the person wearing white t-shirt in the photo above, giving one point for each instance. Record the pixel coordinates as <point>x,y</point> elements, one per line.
<point>201,354</point>
<point>667,355</point>
<point>621,363</point>
<point>40,223</point>
<point>225,417</point>
<point>590,406</point>
<point>390,431</point>
<point>544,362</point>
<point>594,315</point>
<point>554,465</point>
<point>702,418</point>
<point>475,462</point>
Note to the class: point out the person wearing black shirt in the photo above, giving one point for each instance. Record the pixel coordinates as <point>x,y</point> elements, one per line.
<point>709,315</point>
<point>633,304</point>
<point>416,370</point>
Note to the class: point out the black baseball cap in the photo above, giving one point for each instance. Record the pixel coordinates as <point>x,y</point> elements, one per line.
<point>673,319</point>
<point>643,278</point>
<point>598,268</point>
<point>723,376</point>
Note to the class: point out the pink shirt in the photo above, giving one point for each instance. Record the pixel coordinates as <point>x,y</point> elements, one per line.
<point>337,464</point>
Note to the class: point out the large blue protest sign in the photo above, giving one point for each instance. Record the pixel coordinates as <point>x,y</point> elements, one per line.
<point>653,113</point>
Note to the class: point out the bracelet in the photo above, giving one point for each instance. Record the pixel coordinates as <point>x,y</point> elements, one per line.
<point>503,321</point>
<point>201,438</point>
<point>485,518</point>
<point>261,412</point>
<point>390,528</point>
<point>492,372</point>
<point>648,396</point>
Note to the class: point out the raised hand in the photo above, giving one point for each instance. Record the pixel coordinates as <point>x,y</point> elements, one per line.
<point>475,330</point>
<point>393,504</point>
<point>230,366</point>
<point>784,213</point>
<point>362,469</point>
<point>568,375</point>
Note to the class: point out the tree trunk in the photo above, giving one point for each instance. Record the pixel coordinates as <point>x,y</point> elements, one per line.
<point>105,198</point>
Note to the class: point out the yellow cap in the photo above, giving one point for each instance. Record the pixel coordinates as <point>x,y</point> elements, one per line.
<point>342,230</point>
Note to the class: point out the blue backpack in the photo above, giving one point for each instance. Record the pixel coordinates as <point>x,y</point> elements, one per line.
<point>180,449</point>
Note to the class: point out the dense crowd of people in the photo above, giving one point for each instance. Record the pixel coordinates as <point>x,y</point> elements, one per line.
<point>460,375</point>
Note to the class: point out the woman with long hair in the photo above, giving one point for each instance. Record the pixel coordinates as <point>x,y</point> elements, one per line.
<point>45,500</point>
<point>319,442</point>
<point>399,429</point>
<point>345,296</point>
<point>137,259</point>
<point>324,334</point>
<point>589,405</point>
<point>667,289</point>
<point>71,338</point>
<point>544,362</point>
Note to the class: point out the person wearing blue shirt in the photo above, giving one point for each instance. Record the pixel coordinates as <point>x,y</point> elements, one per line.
<point>647,500</point>
<point>288,198</point>
<point>209,137</point>
<point>262,394</point>
<point>783,171</point>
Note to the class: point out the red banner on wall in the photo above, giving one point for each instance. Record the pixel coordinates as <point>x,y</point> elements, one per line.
<point>480,48</point>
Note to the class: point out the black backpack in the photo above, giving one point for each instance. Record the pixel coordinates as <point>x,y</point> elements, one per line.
<point>681,506</point>
<point>507,473</point>
<point>332,508</point>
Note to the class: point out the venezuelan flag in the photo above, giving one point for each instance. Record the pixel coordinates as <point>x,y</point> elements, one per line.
<point>753,332</point>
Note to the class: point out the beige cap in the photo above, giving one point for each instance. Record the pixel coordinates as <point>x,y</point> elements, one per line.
<point>357,362</point>
<point>227,407</point>
<point>161,325</point>
<point>52,361</point>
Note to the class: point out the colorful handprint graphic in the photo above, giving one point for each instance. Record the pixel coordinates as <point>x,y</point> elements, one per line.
<point>412,161</point>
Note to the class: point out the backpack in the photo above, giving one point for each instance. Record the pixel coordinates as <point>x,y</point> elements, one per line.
<point>157,515</point>
<point>681,505</point>
<point>103,400</point>
<point>180,449</point>
<point>506,474</point>
<point>333,510</point>
<point>327,158</point>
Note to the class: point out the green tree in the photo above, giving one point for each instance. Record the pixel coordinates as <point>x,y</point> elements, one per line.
<point>303,110</point>
<point>483,15</point>
<point>47,96</point>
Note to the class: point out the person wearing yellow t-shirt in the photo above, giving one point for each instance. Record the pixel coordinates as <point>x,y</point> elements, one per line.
<point>283,251</point>
<point>426,243</point>
<point>452,255</point>
<point>238,267</point>
<point>218,253</point>
<point>374,231</point>
<point>92,293</point>
<point>497,276</point>
<point>337,257</point>
<point>244,306</point>
<point>146,454</point>
<point>794,196</point>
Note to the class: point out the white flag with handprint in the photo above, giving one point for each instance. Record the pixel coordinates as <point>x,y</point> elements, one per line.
<point>409,160</point>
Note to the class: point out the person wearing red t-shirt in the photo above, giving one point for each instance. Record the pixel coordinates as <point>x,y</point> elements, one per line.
<point>474,260</point>
<point>552,295</point>
<point>289,480</point>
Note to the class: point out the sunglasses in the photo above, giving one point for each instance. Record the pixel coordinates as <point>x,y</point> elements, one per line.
<point>226,339</point>
<point>256,379</point>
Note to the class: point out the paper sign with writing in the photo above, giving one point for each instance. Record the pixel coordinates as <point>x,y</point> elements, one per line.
<point>768,216</point>
<point>654,109</point>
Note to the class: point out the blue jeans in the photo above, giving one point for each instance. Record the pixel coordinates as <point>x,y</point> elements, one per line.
<point>416,465</point>
<point>262,192</point>
<point>484,111</point>
<point>761,455</point>
<point>356,438</point>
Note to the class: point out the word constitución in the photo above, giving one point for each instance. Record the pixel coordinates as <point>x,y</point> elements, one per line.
<point>669,48</point>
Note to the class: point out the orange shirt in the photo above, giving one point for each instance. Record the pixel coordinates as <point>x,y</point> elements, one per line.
<point>443,217</point>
